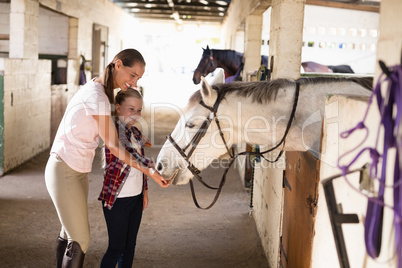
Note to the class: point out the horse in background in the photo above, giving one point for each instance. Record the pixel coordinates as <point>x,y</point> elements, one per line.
<point>314,67</point>
<point>229,60</point>
<point>232,63</point>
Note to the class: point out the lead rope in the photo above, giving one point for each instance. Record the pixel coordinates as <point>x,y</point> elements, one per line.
<point>256,158</point>
<point>391,121</point>
<point>262,75</point>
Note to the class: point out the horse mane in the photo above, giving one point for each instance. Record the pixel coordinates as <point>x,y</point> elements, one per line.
<point>258,91</point>
<point>366,82</point>
<point>266,91</point>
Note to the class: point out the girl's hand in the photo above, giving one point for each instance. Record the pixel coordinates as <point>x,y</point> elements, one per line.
<point>146,200</point>
<point>158,178</point>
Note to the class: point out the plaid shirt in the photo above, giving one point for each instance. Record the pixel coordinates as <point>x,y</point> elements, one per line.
<point>116,171</point>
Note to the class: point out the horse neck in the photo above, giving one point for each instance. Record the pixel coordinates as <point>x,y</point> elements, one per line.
<point>257,123</point>
<point>225,60</point>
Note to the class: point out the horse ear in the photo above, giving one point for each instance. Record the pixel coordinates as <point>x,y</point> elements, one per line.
<point>208,94</point>
<point>207,47</point>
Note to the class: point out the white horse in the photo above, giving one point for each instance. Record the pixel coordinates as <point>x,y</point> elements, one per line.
<point>250,112</point>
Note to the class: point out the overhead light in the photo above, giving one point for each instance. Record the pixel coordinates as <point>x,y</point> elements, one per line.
<point>207,8</point>
<point>176,16</point>
<point>221,8</point>
<point>148,5</point>
<point>204,2</point>
<point>170,3</point>
<point>222,3</point>
<point>221,14</point>
<point>135,10</point>
<point>131,4</point>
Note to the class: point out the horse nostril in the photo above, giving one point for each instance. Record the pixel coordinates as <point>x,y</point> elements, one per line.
<point>159,167</point>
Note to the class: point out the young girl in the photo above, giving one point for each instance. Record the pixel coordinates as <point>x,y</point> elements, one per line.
<point>88,117</point>
<point>125,193</point>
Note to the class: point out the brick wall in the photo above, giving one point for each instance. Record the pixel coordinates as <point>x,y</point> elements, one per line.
<point>26,109</point>
<point>4,26</point>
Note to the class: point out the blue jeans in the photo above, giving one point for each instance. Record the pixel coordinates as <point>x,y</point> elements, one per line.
<point>123,222</point>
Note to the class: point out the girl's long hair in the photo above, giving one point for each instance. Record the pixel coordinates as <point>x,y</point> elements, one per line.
<point>129,57</point>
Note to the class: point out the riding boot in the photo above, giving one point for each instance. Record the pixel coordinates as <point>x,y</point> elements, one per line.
<point>74,257</point>
<point>61,246</point>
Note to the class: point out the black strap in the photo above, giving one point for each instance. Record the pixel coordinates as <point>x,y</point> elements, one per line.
<point>219,189</point>
<point>191,167</point>
<point>292,116</point>
<point>195,171</point>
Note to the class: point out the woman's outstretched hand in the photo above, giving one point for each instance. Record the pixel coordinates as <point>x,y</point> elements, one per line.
<point>158,178</point>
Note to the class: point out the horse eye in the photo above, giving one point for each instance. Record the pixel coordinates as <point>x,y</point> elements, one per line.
<point>189,125</point>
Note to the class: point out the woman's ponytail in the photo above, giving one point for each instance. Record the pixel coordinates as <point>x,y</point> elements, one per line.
<point>108,82</point>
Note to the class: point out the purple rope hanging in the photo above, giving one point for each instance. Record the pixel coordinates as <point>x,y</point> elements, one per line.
<point>390,108</point>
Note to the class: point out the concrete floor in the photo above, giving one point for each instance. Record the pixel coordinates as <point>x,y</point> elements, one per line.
<point>173,233</point>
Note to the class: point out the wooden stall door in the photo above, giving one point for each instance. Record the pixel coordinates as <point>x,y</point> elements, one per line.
<point>299,209</point>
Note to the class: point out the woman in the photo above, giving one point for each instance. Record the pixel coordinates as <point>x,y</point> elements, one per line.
<point>125,191</point>
<point>88,117</point>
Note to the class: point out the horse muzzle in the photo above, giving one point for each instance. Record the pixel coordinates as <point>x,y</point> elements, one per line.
<point>173,175</point>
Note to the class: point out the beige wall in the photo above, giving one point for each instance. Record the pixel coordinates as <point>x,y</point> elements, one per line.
<point>390,38</point>
<point>27,91</point>
<point>238,12</point>
<point>26,109</point>
<point>337,119</point>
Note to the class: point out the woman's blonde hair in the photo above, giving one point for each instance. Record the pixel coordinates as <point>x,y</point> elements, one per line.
<point>129,57</point>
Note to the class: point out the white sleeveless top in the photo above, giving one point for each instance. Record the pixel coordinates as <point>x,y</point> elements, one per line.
<point>133,184</point>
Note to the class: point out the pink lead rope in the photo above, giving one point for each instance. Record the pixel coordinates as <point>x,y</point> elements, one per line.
<point>390,107</point>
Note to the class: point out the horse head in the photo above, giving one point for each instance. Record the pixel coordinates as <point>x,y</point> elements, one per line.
<point>195,141</point>
<point>205,66</point>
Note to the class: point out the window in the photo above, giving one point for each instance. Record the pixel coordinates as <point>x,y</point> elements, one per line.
<point>341,31</point>
<point>59,68</point>
<point>362,32</point>
<point>322,45</point>
<point>353,32</point>
<point>373,33</point>
<point>342,45</point>
<point>311,30</point>
<point>321,30</point>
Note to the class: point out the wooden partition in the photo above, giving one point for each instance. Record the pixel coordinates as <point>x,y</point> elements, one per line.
<point>301,184</point>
